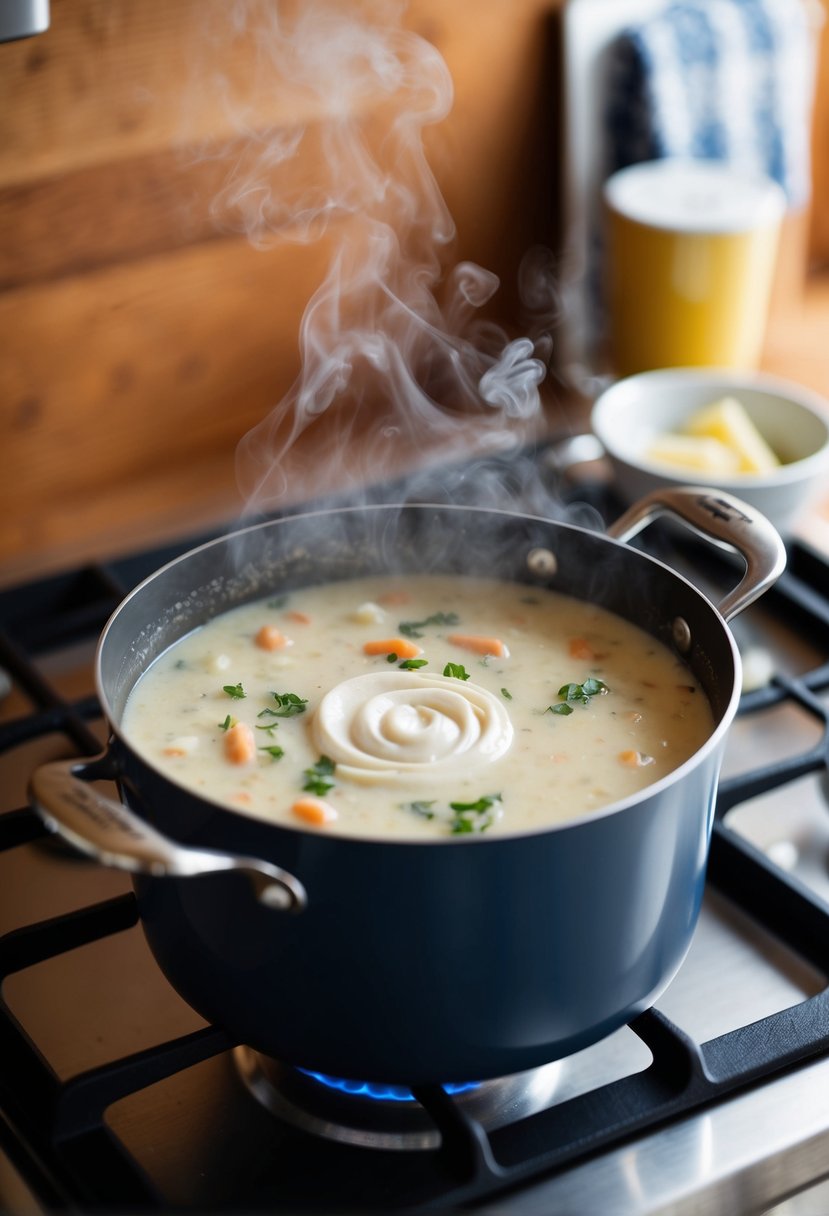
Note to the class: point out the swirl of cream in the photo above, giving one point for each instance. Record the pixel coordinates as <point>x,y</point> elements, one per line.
<point>400,725</point>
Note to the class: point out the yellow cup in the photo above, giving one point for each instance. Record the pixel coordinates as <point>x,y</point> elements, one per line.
<point>691,250</point>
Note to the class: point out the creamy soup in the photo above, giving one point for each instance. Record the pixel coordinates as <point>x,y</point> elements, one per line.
<point>426,706</point>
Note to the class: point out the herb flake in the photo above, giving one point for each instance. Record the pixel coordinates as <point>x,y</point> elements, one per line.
<point>412,629</point>
<point>461,818</point>
<point>456,670</point>
<point>317,778</point>
<point>583,692</point>
<point>236,691</point>
<point>424,809</point>
<point>274,751</point>
<point>473,816</point>
<point>289,705</point>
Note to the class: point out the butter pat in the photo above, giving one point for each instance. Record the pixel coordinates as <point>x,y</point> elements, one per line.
<point>727,421</point>
<point>718,440</point>
<point>702,454</point>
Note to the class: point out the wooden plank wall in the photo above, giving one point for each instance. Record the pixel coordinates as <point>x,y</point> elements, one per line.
<point>139,339</point>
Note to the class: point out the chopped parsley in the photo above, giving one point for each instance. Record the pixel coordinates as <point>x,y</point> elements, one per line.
<point>391,658</point>
<point>289,705</point>
<point>412,629</point>
<point>463,817</point>
<point>473,816</point>
<point>583,692</point>
<point>482,804</point>
<point>577,692</point>
<point>456,670</point>
<point>413,664</point>
<point>234,690</point>
<point>275,752</point>
<point>318,776</point>
<point>424,809</point>
<point>228,722</point>
<point>506,694</point>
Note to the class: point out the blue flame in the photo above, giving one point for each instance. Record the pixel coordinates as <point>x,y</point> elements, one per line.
<point>379,1091</point>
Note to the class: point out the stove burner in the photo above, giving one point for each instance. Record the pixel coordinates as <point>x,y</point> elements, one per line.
<point>379,1091</point>
<point>384,1116</point>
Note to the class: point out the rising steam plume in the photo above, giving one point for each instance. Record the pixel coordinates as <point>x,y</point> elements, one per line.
<point>397,364</point>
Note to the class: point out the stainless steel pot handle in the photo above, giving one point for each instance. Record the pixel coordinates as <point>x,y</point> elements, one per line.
<point>109,832</point>
<point>724,519</point>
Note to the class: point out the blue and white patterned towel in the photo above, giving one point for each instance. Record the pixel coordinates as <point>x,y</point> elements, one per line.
<point>717,79</point>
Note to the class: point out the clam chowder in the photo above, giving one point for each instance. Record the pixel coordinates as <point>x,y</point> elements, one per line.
<point>416,707</point>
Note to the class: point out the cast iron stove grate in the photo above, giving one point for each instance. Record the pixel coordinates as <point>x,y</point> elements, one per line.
<point>54,1130</point>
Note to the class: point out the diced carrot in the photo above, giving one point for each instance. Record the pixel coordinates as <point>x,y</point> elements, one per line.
<point>271,638</point>
<point>402,647</point>
<point>395,597</point>
<point>314,810</point>
<point>633,759</point>
<point>580,648</point>
<point>173,751</point>
<point>479,644</point>
<point>242,797</point>
<point>240,744</point>
<point>301,618</point>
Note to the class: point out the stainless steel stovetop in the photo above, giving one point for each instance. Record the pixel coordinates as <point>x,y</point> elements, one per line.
<point>114,1094</point>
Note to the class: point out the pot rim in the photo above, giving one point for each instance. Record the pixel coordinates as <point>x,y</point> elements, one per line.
<point>614,808</point>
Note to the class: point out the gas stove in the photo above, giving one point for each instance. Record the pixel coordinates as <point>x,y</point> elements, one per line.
<point>114,1095</point>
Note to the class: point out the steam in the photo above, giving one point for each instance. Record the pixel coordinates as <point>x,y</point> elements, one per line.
<point>399,366</point>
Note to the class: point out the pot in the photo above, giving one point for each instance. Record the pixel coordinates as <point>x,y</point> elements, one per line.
<point>434,961</point>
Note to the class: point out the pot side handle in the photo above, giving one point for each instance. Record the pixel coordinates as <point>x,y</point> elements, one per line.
<point>723,519</point>
<point>104,829</point>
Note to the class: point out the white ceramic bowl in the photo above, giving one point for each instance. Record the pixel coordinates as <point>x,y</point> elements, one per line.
<point>632,412</point>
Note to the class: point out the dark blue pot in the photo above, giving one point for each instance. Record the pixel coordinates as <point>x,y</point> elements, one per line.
<point>447,960</point>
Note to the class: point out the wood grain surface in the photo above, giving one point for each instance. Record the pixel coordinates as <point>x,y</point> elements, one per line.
<point>142,334</point>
